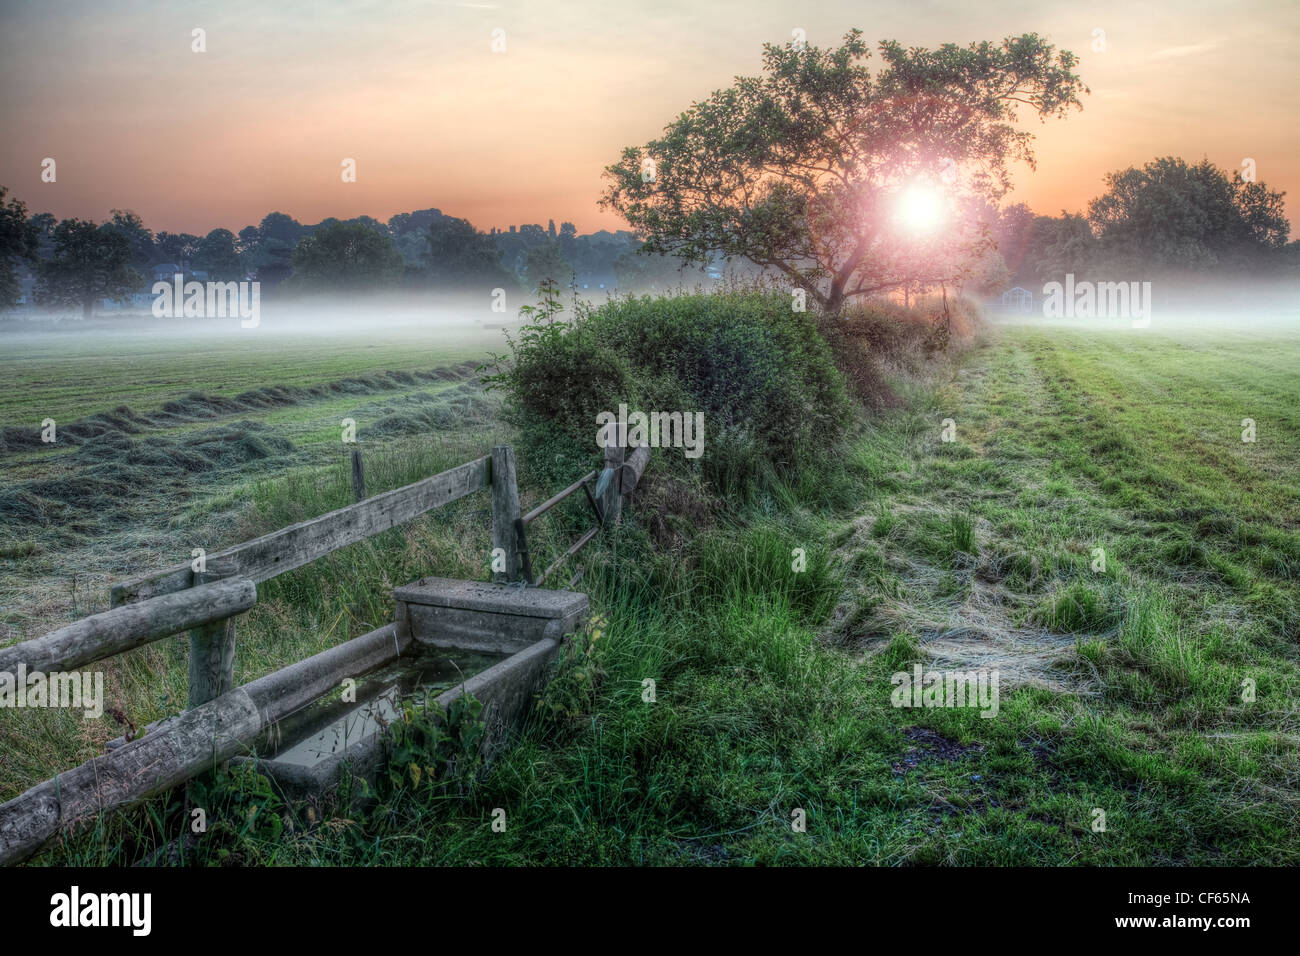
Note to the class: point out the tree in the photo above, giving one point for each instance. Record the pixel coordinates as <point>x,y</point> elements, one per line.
<point>370,222</point>
<point>417,221</point>
<point>140,237</point>
<point>802,170</point>
<point>19,241</point>
<point>45,223</point>
<point>544,262</point>
<point>249,247</point>
<point>176,248</point>
<point>218,256</point>
<point>1171,214</point>
<point>532,235</point>
<point>1061,246</point>
<point>987,275</point>
<point>410,230</point>
<point>275,262</point>
<point>458,254</point>
<point>1014,232</point>
<point>282,227</point>
<point>568,239</point>
<point>89,262</point>
<point>346,255</point>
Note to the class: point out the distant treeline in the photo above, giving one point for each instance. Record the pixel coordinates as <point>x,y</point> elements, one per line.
<point>1167,219</point>
<point>79,262</point>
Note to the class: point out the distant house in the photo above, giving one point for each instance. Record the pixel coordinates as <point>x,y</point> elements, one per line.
<point>165,271</point>
<point>1018,300</point>
<point>26,297</point>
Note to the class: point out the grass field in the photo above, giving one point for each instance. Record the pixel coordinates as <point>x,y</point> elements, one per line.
<point>72,369</point>
<point>1121,689</point>
<point>161,423</point>
<point>170,436</point>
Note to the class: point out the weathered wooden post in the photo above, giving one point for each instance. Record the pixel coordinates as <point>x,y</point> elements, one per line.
<point>358,476</point>
<point>636,466</point>
<point>212,655</point>
<point>505,512</point>
<point>613,503</point>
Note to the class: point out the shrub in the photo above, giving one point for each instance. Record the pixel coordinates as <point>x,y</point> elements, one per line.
<point>761,374</point>
<point>873,338</point>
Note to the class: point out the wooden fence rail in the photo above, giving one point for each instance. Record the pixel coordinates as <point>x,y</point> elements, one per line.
<point>212,646</point>
<point>182,747</point>
<point>131,625</point>
<point>270,555</point>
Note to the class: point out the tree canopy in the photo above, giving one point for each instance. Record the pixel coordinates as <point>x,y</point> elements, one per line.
<point>89,262</point>
<point>801,169</point>
<point>19,242</point>
<point>346,255</point>
<point>218,256</point>
<point>1171,213</point>
<point>137,234</point>
<point>1166,218</point>
<point>457,254</point>
<point>544,262</point>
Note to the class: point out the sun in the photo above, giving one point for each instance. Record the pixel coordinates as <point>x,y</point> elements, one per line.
<point>920,209</point>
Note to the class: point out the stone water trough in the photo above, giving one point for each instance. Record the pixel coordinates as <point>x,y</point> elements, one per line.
<point>450,637</point>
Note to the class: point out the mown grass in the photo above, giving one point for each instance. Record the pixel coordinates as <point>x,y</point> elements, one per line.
<point>73,369</point>
<point>114,502</point>
<point>128,489</point>
<point>772,686</point>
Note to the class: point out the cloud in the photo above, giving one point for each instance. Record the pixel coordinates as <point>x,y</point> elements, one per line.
<point>1171,52</point>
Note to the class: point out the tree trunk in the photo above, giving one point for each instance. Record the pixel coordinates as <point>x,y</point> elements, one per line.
<point>88,309</point>
<point>835,300</point>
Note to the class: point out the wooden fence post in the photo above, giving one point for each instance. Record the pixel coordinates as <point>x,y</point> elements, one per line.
<point>636,466</point>
<point>212,656</point>
<point>358,476</point>
<point>613,503</point>
<point>505,511</point>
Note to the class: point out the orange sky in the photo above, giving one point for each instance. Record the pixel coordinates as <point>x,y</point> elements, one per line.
<point>413,92</point>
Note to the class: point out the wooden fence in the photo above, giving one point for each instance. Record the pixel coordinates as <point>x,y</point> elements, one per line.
<point>222,720</point>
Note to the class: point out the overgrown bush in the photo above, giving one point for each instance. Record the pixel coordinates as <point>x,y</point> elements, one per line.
<point>875,339</point>
<point>762,375</point>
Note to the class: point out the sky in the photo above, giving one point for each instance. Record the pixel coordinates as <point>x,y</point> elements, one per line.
<point>412,90</point>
